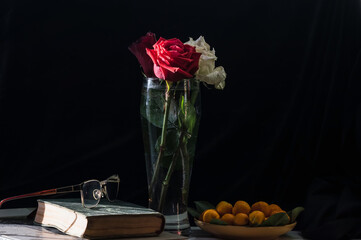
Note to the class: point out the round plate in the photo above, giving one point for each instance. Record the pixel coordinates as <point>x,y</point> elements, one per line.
<point>244,232</point>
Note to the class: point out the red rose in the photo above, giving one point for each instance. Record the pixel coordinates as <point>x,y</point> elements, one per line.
<point>138,49</point>
<point>173,60</point>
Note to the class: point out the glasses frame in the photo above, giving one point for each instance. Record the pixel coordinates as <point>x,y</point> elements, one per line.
<point>69,189</point>
<point>103,189</point>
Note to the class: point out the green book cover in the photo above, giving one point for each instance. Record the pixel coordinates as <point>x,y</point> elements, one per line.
<point>105,207</point>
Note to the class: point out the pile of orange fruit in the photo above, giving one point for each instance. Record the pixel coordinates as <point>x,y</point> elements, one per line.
<point>241,213</point>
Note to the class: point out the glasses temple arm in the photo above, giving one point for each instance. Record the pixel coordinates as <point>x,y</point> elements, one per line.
<point>68,189</point>
<point>34,194</point>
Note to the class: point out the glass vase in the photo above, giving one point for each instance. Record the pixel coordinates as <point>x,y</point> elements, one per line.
<point>170,114</point>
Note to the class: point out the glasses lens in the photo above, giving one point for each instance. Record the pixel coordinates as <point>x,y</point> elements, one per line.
<point>92,193</point>
<point>112,187</point>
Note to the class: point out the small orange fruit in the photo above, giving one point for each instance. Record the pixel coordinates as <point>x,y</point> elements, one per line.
<point>210,214</point>
<point>261,206</point>
<point>228,218</point>
<point>256,217</point>
<point>224,207</point>
<point>240,219</point>
<point>241,207</point>
<point>274,207</point>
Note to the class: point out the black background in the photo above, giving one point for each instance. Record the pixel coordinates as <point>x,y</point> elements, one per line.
<point>286,128</point>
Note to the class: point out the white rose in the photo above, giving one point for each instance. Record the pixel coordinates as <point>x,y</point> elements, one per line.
<point>207,71</point>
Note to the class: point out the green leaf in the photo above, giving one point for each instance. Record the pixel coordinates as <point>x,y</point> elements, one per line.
<point>173,114</point>
<point>153,106</point>
<point>191,119</point>
<point>278,219</point>
<point>193,212</point>
<point>182,104</point>
<point>171,143</point>
<point>218,221</point>
<point>203,205</point>
<point>294,213</point>
<point>187,115</point>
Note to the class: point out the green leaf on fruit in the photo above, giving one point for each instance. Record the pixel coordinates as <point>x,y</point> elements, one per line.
<point>193,212</point>
<point>201,206</point>
<point>294,213</point>
<point>278,219</point>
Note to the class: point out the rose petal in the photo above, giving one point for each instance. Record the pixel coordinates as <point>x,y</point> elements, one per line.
<point>172,74</point>
<point>138,48</point>
<point>216,77</point>
<point>152,54</point>
<point>173,60</point>
<point>192,69</point>
<point>158,71</point>
<point>206,69</point>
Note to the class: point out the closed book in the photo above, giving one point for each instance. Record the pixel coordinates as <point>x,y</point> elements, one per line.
<point>106,220</point>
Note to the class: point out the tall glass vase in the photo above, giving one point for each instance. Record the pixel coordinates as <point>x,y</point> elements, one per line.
<point>170,114</point>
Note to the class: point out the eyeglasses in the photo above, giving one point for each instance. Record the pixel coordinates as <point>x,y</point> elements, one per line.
<point>91,191</point>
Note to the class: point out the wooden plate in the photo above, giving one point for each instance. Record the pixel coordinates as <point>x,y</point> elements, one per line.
<point>244,232</point>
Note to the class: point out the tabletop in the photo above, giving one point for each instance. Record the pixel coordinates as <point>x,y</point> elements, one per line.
<point>14,226</point>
